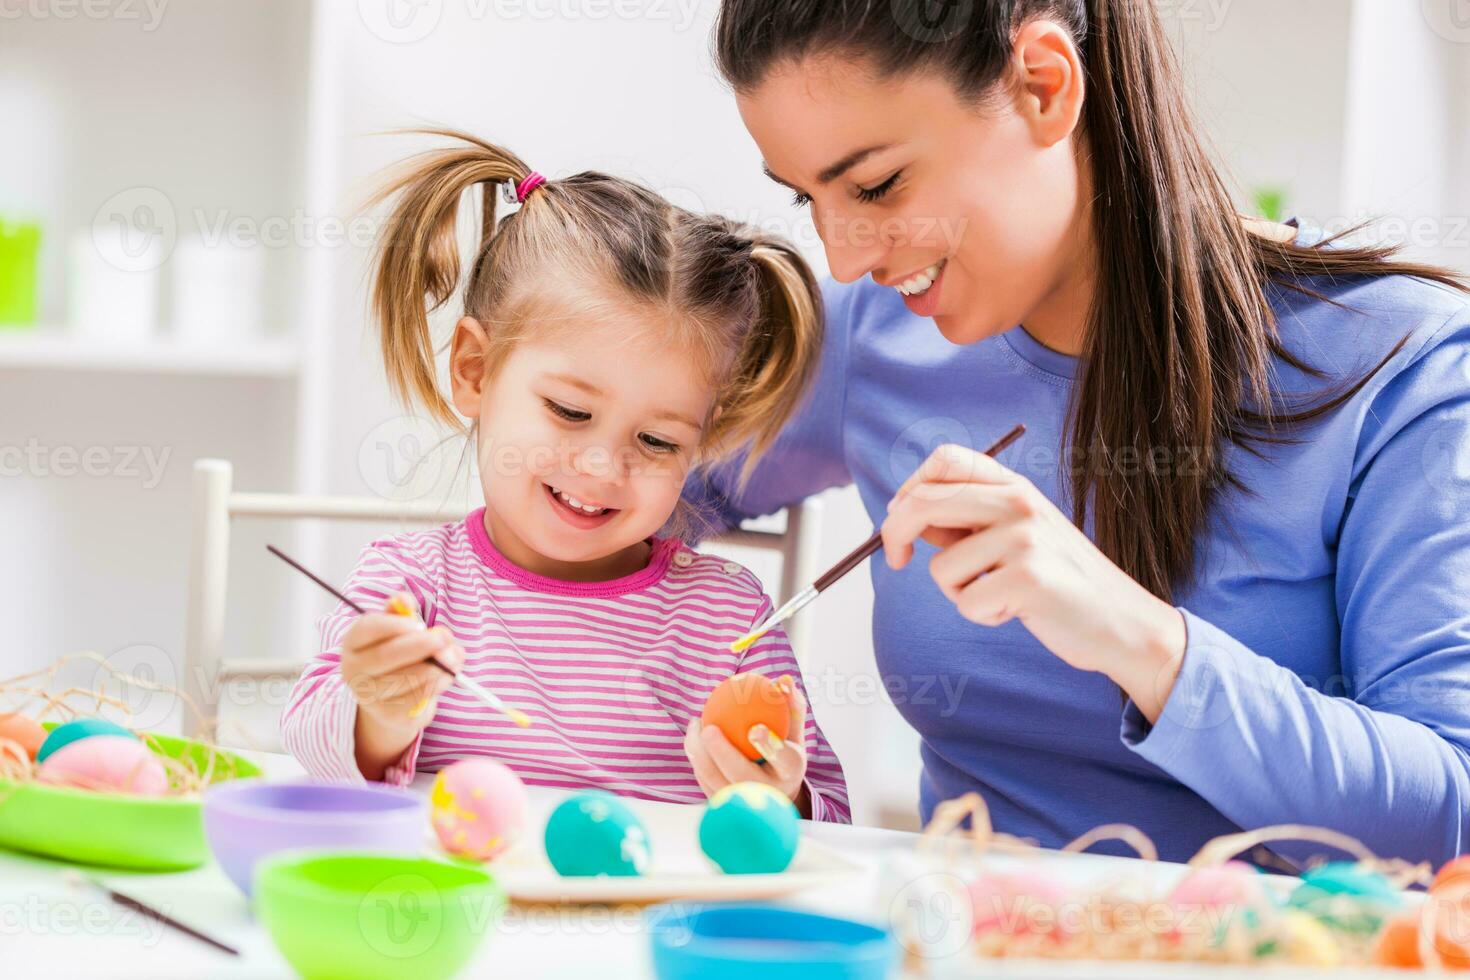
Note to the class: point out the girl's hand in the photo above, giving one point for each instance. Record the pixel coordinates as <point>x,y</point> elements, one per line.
<point>717,763</point>
<point>1007,552</point>
<point>383,666</point>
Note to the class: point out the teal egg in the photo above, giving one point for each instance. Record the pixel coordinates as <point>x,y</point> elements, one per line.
<point>594,833</point>
<point>73,731</point>
<point>750,828</point>
<point>1345,896</point>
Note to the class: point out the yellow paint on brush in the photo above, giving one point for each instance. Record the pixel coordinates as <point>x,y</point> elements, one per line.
<point>398,607</point>
<point>744,643</point>
<point>418,709</point>
<point>519,717</point>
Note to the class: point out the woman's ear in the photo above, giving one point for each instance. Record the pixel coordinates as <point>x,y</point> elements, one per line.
<point>1049,68</point>
<point>468,367</point>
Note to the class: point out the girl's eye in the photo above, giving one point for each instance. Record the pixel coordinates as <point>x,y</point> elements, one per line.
<point>570,414</point>
<point>800,200</point>
<point>870,194</point>
<point>657,445</point>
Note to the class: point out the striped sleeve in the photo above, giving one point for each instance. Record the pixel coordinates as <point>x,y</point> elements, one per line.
<point>826,785</point>
<point>318,725</point>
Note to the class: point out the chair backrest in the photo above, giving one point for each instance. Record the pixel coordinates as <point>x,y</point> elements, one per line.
<point>216,503</point>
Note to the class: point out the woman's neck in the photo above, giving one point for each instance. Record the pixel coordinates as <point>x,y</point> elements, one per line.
<point>626,561</point>
<point>1061,319</point>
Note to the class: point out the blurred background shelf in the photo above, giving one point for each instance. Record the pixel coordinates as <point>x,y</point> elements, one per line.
<point>54,349</point>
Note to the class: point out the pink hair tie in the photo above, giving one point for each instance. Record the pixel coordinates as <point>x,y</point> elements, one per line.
<point>528,184</point>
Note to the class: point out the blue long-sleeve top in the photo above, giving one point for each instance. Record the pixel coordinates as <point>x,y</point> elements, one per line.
<point>1326,677</point>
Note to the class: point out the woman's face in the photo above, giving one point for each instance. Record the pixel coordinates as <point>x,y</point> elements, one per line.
<point>909,184</point>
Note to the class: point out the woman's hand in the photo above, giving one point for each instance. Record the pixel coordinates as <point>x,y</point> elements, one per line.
<point>383,666</point>
<point>717,763</point>
<point>1006,552</point>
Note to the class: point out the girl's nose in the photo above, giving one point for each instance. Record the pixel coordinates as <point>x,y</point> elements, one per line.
<point>599,463</point>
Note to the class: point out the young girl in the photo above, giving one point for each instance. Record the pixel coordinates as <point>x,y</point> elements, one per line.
<point>610,341</point>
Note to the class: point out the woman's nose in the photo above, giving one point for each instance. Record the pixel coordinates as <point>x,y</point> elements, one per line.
<point>855,245</point>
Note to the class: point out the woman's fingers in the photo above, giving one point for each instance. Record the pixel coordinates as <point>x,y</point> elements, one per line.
<point>977,553</point>
<point>954,509</point>
<point>956,464</point>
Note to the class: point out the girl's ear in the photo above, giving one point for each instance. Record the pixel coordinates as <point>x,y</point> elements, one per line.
<point>468,366</point>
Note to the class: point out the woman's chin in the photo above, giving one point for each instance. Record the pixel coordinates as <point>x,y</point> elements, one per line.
<point>962,328</point>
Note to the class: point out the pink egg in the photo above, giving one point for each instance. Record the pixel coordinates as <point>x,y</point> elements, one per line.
<point>107,763</point>
<point>1019,902</point>
<point>477,807</point>
<point>1232,883</point>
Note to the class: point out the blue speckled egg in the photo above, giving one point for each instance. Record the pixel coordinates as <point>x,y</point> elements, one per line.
<point>1345,896</point>
<point>750,828</point>
<point>74,731</point>
<point>594,833</point>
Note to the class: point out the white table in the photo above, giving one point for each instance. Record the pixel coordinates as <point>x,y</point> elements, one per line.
<point>49,928</point>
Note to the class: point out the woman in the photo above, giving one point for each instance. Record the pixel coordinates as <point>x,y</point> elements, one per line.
<point>1224,579</point>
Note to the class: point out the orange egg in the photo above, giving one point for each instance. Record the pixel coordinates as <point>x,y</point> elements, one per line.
<point>1398,943</point>
<point>744,700</point>
<point>1458,868</point>
<point>25,731</point>
<point>1451,891</point>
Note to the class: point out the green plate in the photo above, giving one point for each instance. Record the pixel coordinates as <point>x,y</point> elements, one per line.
<point>143,833</point>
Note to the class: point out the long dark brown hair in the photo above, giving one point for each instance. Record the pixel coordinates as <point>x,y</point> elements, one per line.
<point>1182,320</point>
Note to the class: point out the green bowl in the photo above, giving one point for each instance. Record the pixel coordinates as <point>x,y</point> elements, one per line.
<point>142,833</point>
<point>364,915</point>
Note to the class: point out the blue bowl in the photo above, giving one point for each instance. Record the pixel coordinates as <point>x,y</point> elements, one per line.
<point>245,821</point>
<point>714,942</point>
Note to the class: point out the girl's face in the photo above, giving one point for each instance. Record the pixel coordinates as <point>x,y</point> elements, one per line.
<point>912,186</point>
<point>587,430</point>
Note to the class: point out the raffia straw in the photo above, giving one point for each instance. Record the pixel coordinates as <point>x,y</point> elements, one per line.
<point>1125,832</point>
<point>185,776</point>
<point>949,815</point>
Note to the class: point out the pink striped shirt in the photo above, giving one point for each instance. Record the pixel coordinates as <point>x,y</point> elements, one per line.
<point>612,673</point>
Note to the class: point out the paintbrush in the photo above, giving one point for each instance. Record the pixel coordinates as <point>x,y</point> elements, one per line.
<point>854,558</point>
<point>399,608</point>
<point>78,879</point>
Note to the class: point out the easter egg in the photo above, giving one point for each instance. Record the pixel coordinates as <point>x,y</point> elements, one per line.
<point>72,731</point>
<point>742,701</point>
<point>1457,869</point>
<point>1306,941</point>
<point>1233,888</point>
<point>477,808</point>
<point>1345,896</point>
<point>594,833</point>
<point>1016,903</point>
<point>109,763</point>
<point>24,731</point>
<point>1398,943</point>
<point>750,828</point>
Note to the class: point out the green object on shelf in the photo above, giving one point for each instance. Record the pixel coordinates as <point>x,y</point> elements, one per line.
<point>20,245</point>
<point>1271,202</point>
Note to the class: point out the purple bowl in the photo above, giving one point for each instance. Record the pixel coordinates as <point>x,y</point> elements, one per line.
<point>246,820</point>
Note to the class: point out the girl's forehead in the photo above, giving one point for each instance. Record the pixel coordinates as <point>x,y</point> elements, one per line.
<point>644,371</point>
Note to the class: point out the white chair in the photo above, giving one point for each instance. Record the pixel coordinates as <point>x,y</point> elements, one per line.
<point>216,504</point>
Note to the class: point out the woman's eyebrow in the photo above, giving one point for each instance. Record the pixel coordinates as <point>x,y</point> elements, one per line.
<point>837,169</point>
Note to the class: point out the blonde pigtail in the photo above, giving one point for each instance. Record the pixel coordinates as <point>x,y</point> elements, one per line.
<point>417,268</point>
